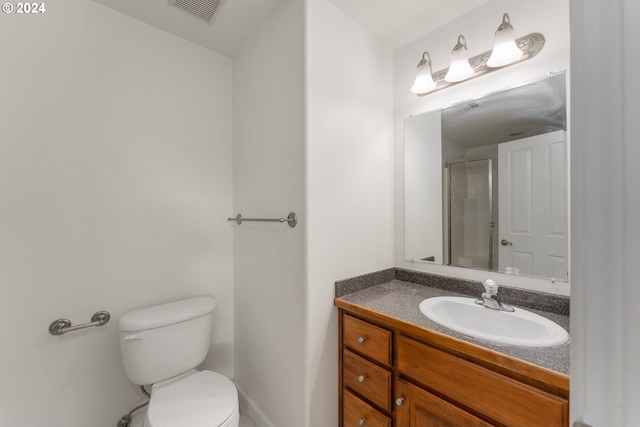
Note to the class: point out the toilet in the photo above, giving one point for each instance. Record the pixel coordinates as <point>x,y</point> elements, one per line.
<point>162,345</point>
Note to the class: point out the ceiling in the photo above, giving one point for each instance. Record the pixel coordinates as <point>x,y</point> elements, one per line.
<point>531,109</point>
<point>402,21</point>
<point>238,20</point>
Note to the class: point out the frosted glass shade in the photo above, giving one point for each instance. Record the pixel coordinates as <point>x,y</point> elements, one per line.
<point>459,69</point>
<point>505,50</point>
<point>424,79</point>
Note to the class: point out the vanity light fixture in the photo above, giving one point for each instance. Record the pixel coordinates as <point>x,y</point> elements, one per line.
<point>460,69</point>
<point>424,79</point>
<point>506,51</point>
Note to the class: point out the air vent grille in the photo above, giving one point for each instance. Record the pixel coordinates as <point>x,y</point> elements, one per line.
<point>203,9</point>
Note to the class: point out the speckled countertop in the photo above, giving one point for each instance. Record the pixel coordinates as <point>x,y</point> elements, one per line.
<point>400,299</point>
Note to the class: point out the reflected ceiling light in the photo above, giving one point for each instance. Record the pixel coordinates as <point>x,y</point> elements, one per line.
<point>460,69</point>
<point>505,50</point>
<point>424,79</point>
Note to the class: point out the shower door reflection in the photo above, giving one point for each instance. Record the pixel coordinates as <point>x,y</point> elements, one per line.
<point>470,194</point>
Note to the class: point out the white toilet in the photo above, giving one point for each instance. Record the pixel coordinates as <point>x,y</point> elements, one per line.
<point>162,345</point>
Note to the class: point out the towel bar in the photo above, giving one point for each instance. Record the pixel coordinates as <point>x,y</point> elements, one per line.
<point>291,219</point>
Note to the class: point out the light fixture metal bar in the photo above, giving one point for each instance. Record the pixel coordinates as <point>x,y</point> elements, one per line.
<point>531,45</point>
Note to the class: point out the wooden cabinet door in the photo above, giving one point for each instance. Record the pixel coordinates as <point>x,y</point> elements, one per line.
<point>419,408</point>
<point>484,391</point>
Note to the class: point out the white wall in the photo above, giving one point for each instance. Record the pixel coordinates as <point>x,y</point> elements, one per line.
<point>422,162</point>
<point>269,181</point>
<point>548,17</point>
<point>349,182</point>
<point>605,210</point>
<point>115,183</point>
<point>631,157</point>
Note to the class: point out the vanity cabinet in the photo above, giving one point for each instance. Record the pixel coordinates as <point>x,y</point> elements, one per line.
<point>393,373</point>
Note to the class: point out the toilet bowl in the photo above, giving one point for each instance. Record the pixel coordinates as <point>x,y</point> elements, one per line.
<point>162,345</point>
<point>194,399</point>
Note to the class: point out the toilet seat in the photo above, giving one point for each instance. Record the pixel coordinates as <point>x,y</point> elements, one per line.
<point>194,399</point>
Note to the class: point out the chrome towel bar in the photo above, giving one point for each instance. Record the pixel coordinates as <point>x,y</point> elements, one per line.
<point>291,219</point>
<point>62,326</point>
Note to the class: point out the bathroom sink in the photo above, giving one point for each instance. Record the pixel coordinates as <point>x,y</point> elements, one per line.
<point>521,327</point>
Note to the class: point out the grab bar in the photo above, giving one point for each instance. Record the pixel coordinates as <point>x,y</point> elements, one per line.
<point>62,326</point>
<point>291,219</point>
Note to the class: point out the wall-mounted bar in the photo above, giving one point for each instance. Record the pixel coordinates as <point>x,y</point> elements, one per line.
<point>62,326</point>
<point>291,219</point>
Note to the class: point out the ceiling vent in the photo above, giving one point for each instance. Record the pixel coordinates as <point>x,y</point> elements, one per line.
<point>206,10</point>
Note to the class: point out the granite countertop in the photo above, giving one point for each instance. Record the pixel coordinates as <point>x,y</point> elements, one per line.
<point>400,299</point>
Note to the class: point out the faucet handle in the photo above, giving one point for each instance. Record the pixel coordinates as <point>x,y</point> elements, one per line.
<point>491,287</point>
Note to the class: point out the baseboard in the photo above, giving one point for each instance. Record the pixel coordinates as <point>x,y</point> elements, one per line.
<point>250,408</point>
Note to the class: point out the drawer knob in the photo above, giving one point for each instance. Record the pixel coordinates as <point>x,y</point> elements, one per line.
<point>362,377</point>
<point>399,401</point>
<point>361,340</point>
<point>361,421</point>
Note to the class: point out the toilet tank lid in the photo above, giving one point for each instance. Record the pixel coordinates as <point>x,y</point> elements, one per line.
<point>166,314</point>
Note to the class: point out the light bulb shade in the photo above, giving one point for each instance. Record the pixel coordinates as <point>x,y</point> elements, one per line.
<point>505,50</point>
<point>424,79</point>
<point>460,69</point>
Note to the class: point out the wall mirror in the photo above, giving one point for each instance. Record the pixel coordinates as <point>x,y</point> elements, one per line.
<point>486,182</point>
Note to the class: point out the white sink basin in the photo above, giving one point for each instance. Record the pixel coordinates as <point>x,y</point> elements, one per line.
<point>520,327</point>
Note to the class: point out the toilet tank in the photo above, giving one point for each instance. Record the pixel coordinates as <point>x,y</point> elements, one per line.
<point>162,341</point>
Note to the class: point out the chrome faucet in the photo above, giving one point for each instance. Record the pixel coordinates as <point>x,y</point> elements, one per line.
<point>491,299</point>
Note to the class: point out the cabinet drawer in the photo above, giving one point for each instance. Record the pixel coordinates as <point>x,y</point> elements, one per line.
<point>358,413</point>
<point>367,379</point>
<point>367,339</point>
<point>503,399</point>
